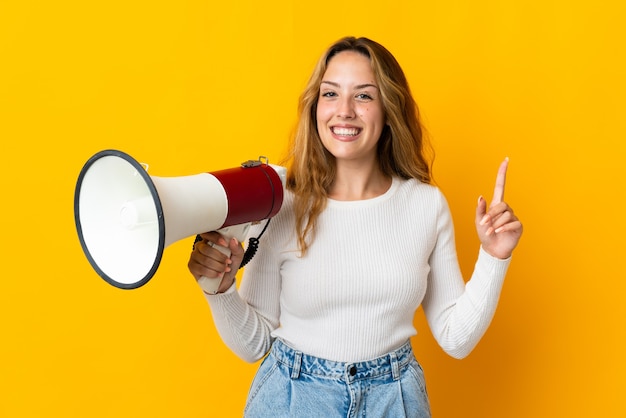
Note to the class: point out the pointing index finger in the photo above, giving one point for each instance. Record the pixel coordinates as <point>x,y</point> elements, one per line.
<point>498,192</point>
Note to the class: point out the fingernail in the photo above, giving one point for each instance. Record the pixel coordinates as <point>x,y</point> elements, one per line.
<point>489,231</point>
<point>234,241</point>
<point>480,199</point>
<point>498,230</point>
<point>484,220</point>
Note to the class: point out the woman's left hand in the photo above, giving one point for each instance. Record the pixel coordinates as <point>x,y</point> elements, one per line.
<point>498,228</point>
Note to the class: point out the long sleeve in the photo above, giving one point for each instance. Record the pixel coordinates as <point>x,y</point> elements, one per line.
<point>246,318</point>
<point>459,313</point>
<point>243,330</point>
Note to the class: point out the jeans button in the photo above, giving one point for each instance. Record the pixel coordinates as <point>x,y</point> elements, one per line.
<point>352,370</point>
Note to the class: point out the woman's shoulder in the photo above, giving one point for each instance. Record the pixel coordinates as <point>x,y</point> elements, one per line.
<point>285,214</point>
<point>288,201</point>
<point>415,187</point>
<point>421,199</point>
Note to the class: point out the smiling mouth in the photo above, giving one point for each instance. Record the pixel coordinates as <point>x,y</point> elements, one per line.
<point>345,131</point>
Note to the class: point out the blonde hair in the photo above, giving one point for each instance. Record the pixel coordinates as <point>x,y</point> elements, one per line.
<point>401,147</point>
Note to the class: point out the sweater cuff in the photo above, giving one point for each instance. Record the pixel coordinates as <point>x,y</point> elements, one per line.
<point>231,289</point>
<point>497,267</point>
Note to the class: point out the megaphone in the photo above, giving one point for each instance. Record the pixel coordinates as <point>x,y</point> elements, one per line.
<point>125,218</point>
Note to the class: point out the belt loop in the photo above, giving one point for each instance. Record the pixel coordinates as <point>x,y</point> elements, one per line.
<point>297,363</point>
<point>395,370</point>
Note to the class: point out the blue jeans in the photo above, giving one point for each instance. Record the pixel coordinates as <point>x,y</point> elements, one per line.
<point>292,384</point>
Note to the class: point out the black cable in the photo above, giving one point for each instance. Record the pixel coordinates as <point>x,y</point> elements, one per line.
<point>253,245</point>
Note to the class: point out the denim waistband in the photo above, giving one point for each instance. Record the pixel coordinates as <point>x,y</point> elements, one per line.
<point>299,362</point>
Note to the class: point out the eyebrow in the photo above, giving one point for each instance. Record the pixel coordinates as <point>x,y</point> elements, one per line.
<point>360,86</point>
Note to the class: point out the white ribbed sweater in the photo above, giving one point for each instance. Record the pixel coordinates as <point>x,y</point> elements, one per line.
<point>354,295</point>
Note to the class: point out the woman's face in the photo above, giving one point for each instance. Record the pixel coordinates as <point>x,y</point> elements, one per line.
<point>350,116</point>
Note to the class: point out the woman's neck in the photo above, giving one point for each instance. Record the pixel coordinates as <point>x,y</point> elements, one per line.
<point>358,183</point>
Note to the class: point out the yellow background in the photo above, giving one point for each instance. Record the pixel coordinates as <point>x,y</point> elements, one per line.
<point>191,86</point>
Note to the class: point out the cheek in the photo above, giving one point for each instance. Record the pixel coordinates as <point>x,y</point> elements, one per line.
<point>373,114</point>
<point>377,116</point>
<point>323,113</point>
<point>320,120</point>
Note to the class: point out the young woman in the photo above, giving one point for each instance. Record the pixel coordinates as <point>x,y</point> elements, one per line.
<point>361,241</point>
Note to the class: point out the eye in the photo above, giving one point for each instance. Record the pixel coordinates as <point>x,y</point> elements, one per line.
<point>364,97</point>
<point>328,94</point>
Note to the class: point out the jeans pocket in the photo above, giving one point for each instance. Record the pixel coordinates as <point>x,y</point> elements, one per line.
<point>415,369</point>
<point>263,374</point>
<point>415,387</point>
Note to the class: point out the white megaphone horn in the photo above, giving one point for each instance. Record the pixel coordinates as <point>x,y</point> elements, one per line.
<point>125,218</point>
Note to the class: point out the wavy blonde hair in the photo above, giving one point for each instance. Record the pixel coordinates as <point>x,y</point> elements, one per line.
<point>401,147</point>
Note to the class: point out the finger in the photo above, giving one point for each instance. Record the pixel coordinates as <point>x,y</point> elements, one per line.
<point>497,209</point>
<point>481,211</point>
<point>236,253</point>
<point>498,192</point>
<point>215,238</point>
<point>210,240</point>
<point>200,265</point>
<point>513,226</point>
<point>502,219</point>
<point>497,215</point>
<point>211,256</point>
<point>235,248</point>
<point>198,269</point>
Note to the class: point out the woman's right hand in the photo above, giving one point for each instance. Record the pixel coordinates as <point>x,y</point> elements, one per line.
<point>208,261</point>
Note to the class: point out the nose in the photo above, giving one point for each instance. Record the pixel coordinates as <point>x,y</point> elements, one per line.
<point>346,108</point>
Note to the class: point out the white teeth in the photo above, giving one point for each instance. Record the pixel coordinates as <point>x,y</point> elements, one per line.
<point>345,131</point>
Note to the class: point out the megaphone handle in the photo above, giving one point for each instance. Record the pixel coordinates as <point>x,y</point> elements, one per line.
<point>211,285</point>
